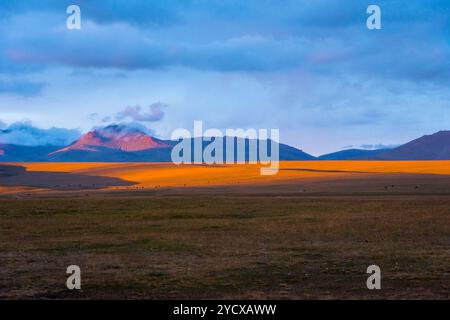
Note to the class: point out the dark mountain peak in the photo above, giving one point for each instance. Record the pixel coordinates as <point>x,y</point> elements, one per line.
<point>429,147</point>
<point>434,146</point>
<point>437,135</point>
<point>441,132</point>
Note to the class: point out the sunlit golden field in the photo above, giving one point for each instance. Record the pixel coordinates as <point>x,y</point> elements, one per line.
<point>151,175</point>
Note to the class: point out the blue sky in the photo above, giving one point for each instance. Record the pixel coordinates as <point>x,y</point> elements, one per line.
<point>310,68</point>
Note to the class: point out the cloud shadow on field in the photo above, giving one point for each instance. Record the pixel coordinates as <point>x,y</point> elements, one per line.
<point>18,176</point>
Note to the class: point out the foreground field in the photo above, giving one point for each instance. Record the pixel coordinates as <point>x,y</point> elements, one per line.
<point>311,234</point>
<point>226,247</point>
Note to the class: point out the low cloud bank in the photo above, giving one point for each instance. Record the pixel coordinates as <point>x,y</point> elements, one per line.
<point>26,134</point>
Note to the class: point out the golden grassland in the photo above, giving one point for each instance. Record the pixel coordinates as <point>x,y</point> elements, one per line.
<point>169,175</point>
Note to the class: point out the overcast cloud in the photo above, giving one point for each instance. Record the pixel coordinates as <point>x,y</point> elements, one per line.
<point>310,68</point>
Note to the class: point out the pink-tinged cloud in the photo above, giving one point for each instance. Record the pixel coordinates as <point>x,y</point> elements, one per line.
<point>155,113</point>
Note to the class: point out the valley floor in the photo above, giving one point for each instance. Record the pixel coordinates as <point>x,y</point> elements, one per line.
<point>290,239</point>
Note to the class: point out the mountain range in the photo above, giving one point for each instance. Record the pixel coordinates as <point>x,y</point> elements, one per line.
<point>120,143</point>
<point>429,147</point>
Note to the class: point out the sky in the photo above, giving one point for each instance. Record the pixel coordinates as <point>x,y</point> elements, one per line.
<point>309,68</point>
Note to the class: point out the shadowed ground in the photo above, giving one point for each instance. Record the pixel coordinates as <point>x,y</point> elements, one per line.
<point>18,176</point>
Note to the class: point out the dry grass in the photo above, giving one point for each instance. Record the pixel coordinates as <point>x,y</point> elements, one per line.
<point>225,246</point>
<point>160,231</point>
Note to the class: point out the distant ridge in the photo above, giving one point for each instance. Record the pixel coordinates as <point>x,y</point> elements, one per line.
<point>352,154</point>
<point>430,147</point>
<point>17,153</point>
<point>120,143</point>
